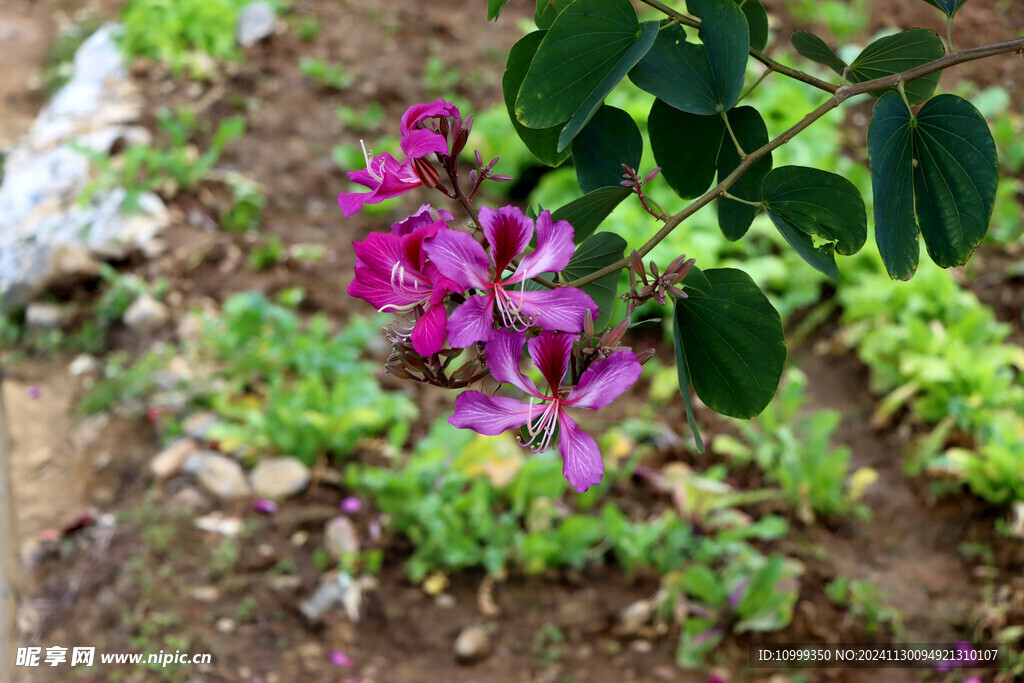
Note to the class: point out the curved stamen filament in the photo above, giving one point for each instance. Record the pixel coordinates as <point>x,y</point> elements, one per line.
<point>511,314</point>
<point>544,427</point>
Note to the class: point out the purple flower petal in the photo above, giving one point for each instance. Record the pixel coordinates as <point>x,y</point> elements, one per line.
<point>424,216</point>
<point>350,505</point>
<point>559,309</point>
<point>459,258</point>
<point>381,293</point>
<point>550,352</point>
<point>385,178</point>
<point>380,251</point>
<point>429,331</point>
<point>508,230</point>
<point>472,321</point>
<point>489,416</point>
<point>582,464</point>
<point>264,505</point>
<point>503,353</point>
<point>339,658</point>
<point>605,380</point>
<point>554,249</point>
<point>420,143</point>
<point>421,112</point>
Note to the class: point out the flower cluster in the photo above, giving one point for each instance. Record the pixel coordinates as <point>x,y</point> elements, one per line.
<point>487,291</point>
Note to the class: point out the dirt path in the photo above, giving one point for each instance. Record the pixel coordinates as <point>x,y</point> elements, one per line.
<point>910,547</point>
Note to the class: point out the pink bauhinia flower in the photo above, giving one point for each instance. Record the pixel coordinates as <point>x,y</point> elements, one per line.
<point>425,215</point>
<point>420,139</point>
<point>545,414</point>
<point>385,177</point>
<point>508,231</point>
<point>393,274</point>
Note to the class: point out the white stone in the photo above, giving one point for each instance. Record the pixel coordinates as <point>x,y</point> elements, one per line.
<point>218,474</point>
<point>255,23</point>
<point>472,644</point>
<point>43,316</point>
<point>279,478</point>
<point>168,462</point>
<point>146,314</point>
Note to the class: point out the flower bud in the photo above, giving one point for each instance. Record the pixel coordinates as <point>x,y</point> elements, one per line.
<point>427,174</point>
<point>479,159</point>
<point>645,356</point>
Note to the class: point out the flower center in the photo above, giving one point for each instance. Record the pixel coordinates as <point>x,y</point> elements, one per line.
<point>542,430</point>
<point>408,286</point>
<point>511,311</point>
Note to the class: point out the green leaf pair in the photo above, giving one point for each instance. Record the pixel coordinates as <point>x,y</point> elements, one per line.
<point>691,148</point>
<point>884,57</point>
<point>937,170</point>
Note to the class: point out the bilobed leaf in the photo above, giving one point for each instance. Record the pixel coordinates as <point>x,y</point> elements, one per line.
<point>891,148</point>
<point>547,10</point>
<point>683,372</point>
<point>699,79</point>
<point>494,8</point>
<point>733,344</point>
<point>586,213</point>
<point>734,218</point>
<point>583,45</point>
<point>817,50</point>
<point>598,251</point>
<point>948,6</point>
<point>696,279</point>
<point>955,178</point>
<point>541,142</point>
<point>648,32</point>
<point>805,201</point>
<point>897,53</point>
<point>757,22</point>
<point>943,163</point>
<point>686,147</point>
<point>610,140</point>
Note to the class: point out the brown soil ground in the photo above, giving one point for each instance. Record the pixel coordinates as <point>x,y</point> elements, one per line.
<point>149,579</point>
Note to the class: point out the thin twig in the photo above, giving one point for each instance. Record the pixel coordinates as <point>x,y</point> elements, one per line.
<point>842,94</point>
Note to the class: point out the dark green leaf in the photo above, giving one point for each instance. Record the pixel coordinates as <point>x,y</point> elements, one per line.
<point>955,178</point>
<point>596,252</point>
<point>696,279</point>
<point>817,50</point>
<point>699,79</point>
<point>894,54</point>
<point>683,372</point>
<point>733,343</point>
<point>610,140</point>
<point>494,8</point>
<point>891,148</point>
<point>582,47</point>
<point>586,213</point>
<point>761,587</point>
<point>648,32</point>
<point>686,147</point>
<point>547,10</point>
<point>948,6</point>
<point>734,218</point>
<point>804,201</point>
<point>542,143</point>
<point>943,163</point>
<point>757,22</point>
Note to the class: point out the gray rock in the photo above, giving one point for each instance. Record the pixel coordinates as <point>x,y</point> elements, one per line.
<point>47,237</point>
<point>472,644</point>
<point>44,316</point>
<point>340,536</point>
<point>218,474</point>
<point>146,314</point>
<point>279,478</point>
<point>197,425</point>
<point>189,499</point>
<point>255,23</point>
<point>168,462</point>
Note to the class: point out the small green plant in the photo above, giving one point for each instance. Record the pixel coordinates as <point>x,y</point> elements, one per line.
<point>184,34</point>
<point>749,593</point>
<point>246,210</point>
<point>125,384</point>
<point>166,170</point>
<point>438,77</point>
<point>863,599</point>
<point>795,453</point>
<point>361,120</point>
<point>268,255</point>
<point>307,28</point>
<point>327,74</point>
<point>995,470</point>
